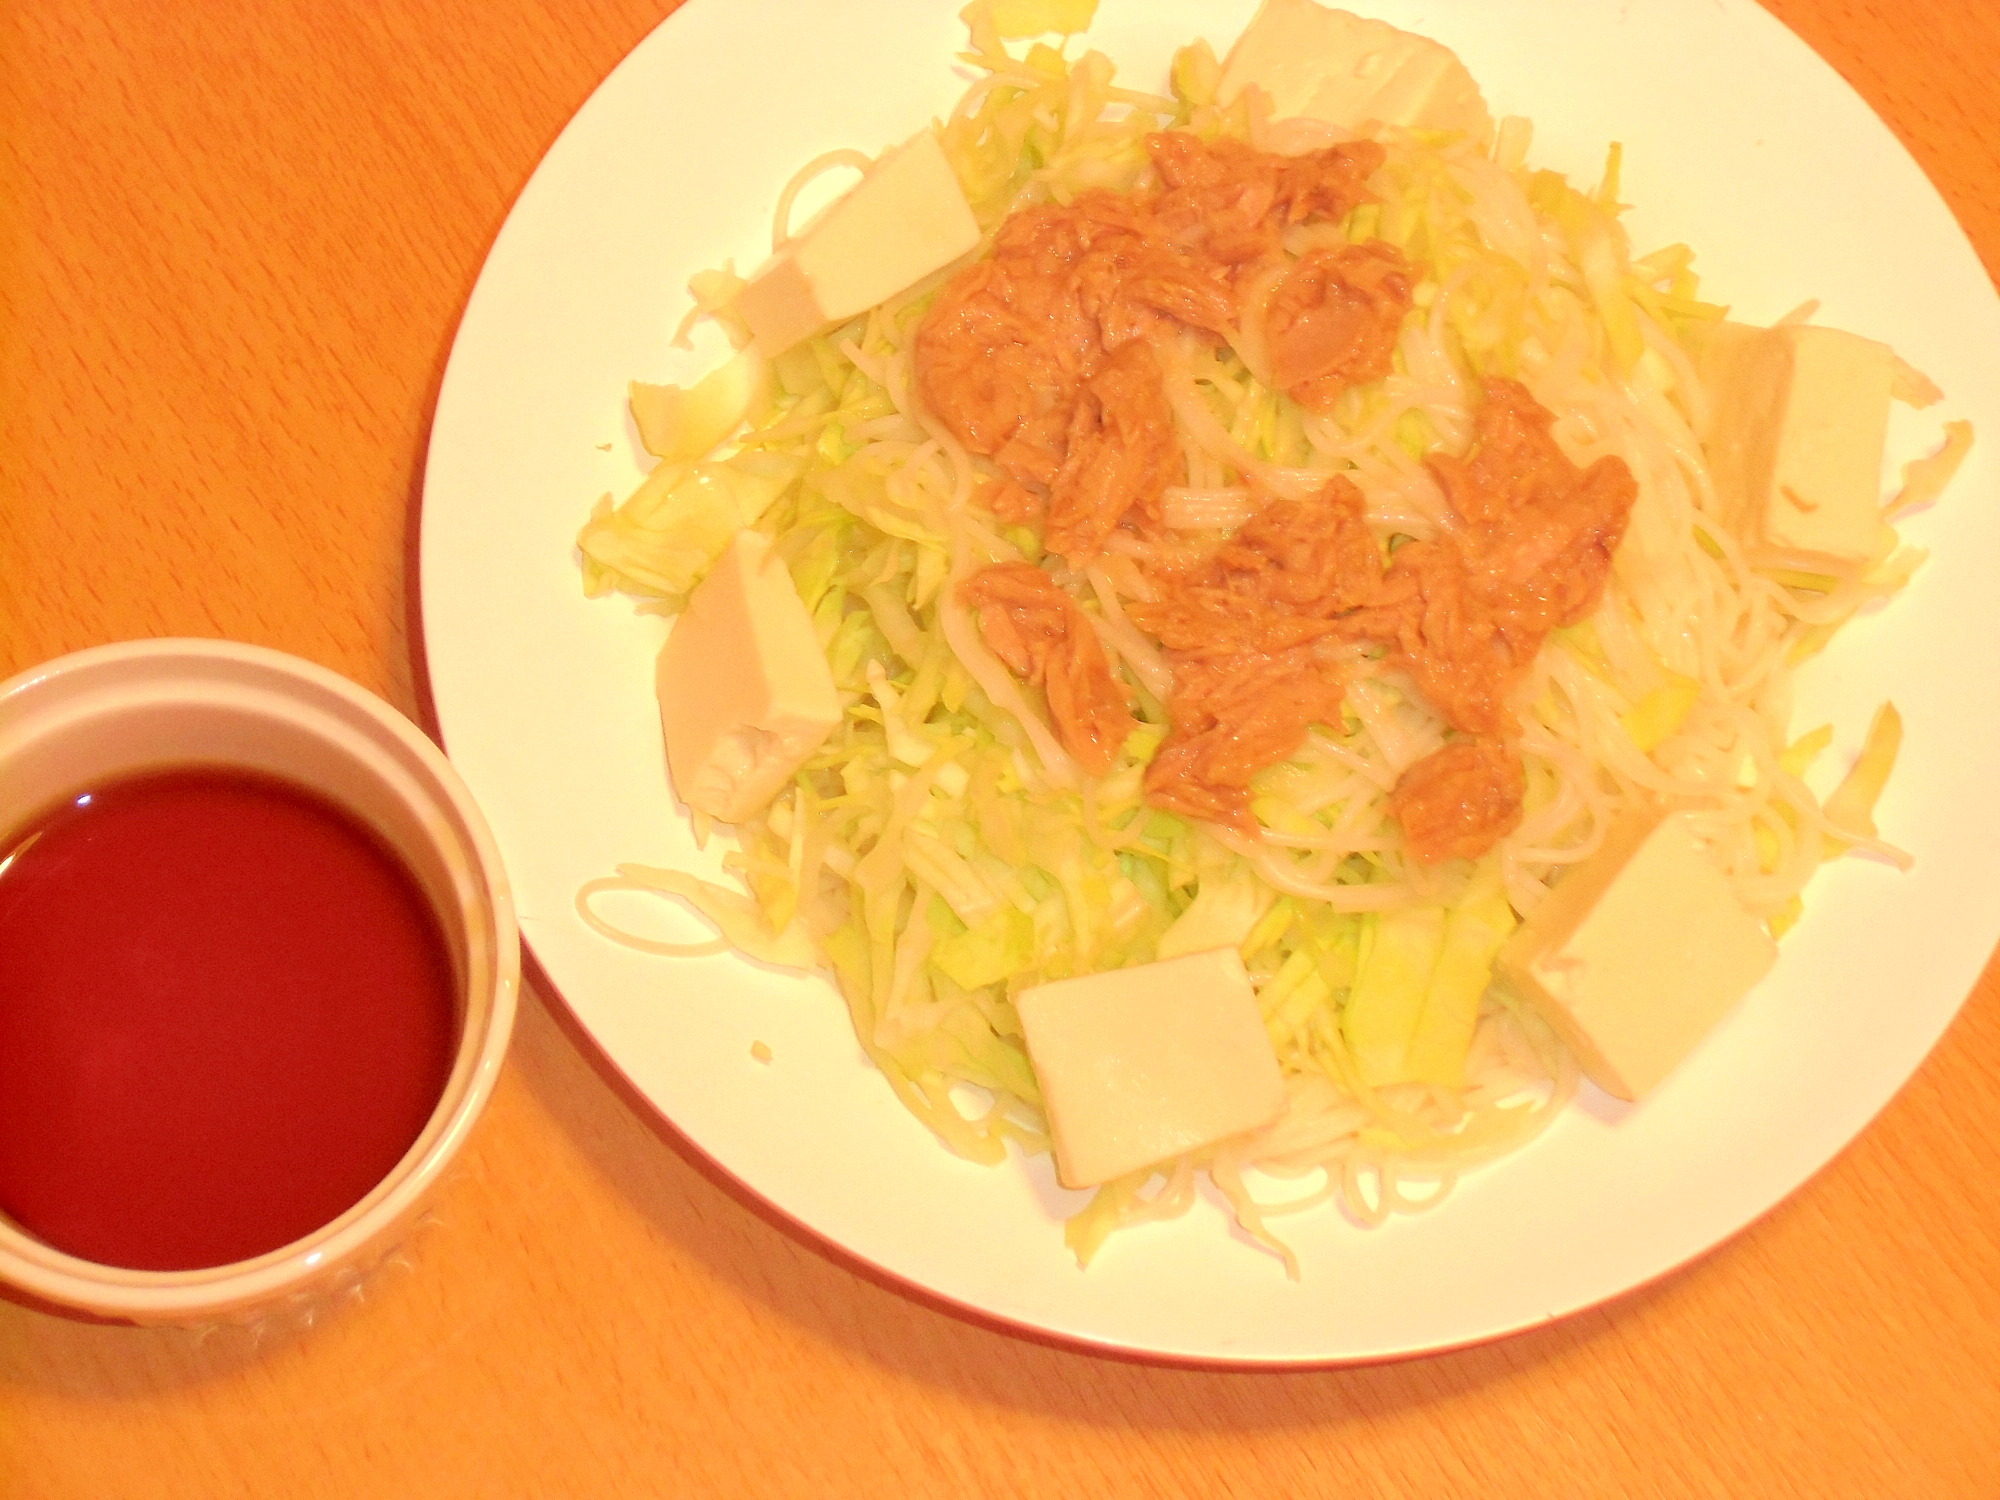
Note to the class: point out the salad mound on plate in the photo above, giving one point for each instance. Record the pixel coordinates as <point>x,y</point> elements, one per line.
<point>1245,627</point>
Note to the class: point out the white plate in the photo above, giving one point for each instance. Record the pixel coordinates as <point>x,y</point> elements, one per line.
<point>1737,140</point>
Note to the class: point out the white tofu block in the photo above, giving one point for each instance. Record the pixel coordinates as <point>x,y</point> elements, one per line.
<point>1638,952</point>
<point>1331,65</point>
<point>905,219</point>
<point>1799,418</point>
<point>745,694</point>
<point>1144,1064</point>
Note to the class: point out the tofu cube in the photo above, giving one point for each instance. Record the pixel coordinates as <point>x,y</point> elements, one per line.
<point>1144,1064</point>
<point>1331,65</point>
<point>745,694</point>
<point>1800,416</point>
<point>1638,952</point>
<point>905,219</point>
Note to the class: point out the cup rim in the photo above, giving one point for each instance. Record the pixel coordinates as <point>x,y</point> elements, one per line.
<point>72,1282</point>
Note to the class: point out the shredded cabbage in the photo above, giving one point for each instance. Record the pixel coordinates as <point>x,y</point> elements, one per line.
<point>941,851</point>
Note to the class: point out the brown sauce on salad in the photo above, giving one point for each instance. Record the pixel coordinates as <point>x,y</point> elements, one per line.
<point>1041,358</point>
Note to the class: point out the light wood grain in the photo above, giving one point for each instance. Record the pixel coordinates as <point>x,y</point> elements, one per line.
<point>235,240</point>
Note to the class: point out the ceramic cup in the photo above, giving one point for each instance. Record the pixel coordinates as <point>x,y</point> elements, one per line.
<point>150,705</point>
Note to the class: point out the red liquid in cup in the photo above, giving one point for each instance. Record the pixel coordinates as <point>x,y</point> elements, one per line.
<point>226,1011</point>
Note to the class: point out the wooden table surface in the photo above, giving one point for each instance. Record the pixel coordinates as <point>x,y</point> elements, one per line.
<point>235,240</point>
